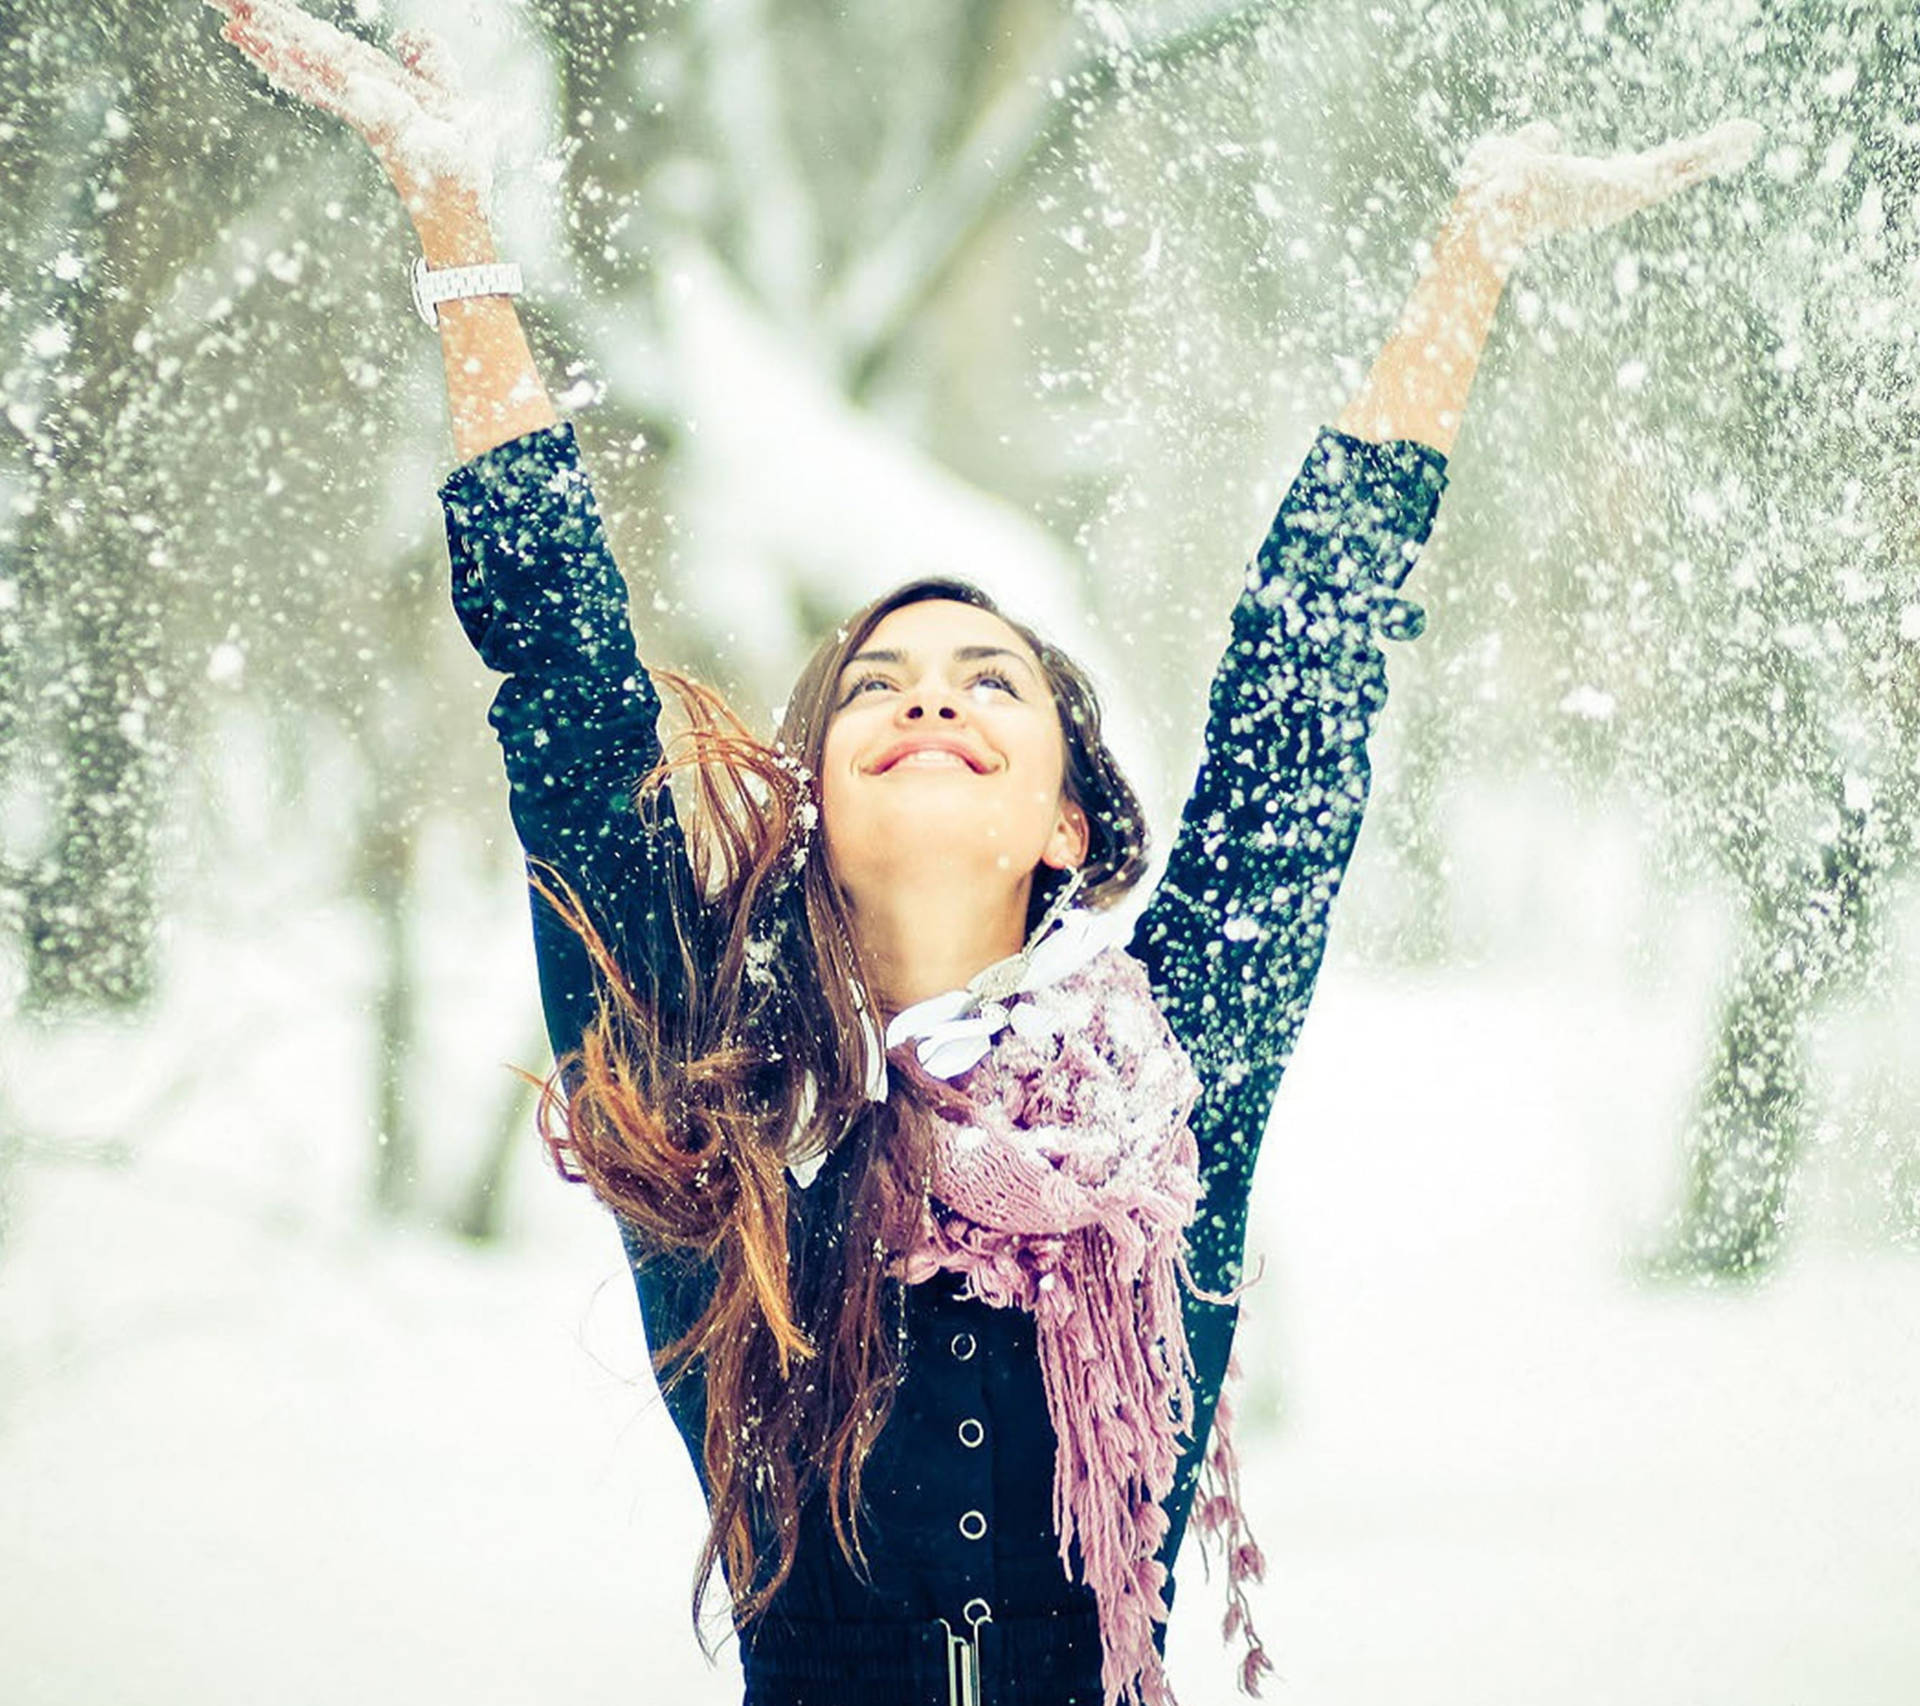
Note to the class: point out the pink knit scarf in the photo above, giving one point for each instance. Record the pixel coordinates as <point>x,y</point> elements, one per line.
<point>1064,1175</point>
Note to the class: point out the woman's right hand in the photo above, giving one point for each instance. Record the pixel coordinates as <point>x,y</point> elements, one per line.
<point>437,147</point>
<point>1526,187</point>
<point>434,142</point>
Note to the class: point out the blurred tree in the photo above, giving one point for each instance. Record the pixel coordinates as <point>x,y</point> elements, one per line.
<point>1010,288</point>
<point>1747,572</point>
<point>96,127</point>
<point>1677,553</point>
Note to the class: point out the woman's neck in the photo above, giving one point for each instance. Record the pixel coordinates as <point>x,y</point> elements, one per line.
<point>918,944</point>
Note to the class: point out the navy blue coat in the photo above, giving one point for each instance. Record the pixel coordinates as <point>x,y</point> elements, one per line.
<point>959,1487</point>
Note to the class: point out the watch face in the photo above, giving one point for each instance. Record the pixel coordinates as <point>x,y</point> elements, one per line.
<point>418,277</point>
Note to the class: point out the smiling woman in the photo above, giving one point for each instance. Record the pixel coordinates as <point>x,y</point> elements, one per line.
<point>906,1142</point>
<point>991,1322</point>
<point>945,790</point>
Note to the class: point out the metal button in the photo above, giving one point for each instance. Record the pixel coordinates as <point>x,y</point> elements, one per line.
<point>972,1431</point>
<point>963,1346</point>
<point>973,1525</point>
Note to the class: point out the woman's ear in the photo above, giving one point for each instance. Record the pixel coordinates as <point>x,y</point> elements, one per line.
<point>1071,837</point>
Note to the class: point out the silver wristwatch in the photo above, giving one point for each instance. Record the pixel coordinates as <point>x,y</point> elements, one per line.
<point>496,278</point>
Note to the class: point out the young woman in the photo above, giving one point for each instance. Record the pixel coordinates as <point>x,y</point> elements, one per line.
<point>934,1182</point>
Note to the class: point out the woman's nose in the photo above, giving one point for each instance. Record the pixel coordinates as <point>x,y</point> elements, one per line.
<point>936,698</point>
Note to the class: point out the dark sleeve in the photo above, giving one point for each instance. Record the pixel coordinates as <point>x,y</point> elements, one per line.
<point>1234,934</point>
<point>539,596</point>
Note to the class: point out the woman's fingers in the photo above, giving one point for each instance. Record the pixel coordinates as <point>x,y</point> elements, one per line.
<point>422,51</point>
<point>319,40</point>
<point>1539,134</point>
<point>1711,154</point>
<point>297,74</point>
<point>308,58</point>
<point>1525,187</point>
<point>289,62</point>
<point>285,37</point>
<point>1614,189</point>
<point>429,137</point>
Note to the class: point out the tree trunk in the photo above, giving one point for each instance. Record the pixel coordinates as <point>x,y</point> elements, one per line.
<point>1804,936</point>
<point>88,905</point>
<point>386,870</point>
<point>81,641</point>
<point>481,1215</point>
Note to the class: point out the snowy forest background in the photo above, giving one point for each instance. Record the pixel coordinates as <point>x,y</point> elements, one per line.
<point>1586,1363</point>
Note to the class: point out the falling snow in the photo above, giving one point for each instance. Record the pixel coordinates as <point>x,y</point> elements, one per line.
<point>1591,1194</point>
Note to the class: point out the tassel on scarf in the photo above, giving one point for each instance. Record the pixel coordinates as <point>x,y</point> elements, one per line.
<point>1064,1177</point>
<point>1219,1516</point>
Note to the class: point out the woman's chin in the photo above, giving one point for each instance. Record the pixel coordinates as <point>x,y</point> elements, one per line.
<point>934,834</point>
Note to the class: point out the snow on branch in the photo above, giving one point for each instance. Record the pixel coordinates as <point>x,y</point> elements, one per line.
<point>878,298</point>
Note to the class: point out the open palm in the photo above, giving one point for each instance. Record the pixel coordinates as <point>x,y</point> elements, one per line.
<point>1526,187</point>
<point>411,109</point>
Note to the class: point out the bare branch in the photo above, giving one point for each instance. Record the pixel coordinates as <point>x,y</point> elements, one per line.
<point>872,307</point>
<point>778,239</point>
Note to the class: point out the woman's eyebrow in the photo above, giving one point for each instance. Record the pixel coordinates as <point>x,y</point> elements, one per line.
<point>962,653</point>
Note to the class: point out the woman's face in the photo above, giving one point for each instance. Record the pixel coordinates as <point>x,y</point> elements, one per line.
<point>944,756</point>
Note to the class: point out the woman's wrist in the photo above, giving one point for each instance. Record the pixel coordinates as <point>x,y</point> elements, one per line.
<point>1484,234</point>
<point>1417,387</point>
<point>454,231</point>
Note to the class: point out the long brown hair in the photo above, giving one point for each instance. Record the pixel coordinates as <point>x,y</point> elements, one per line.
<point>689,1094</point>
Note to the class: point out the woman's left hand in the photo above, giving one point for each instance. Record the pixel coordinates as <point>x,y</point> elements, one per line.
<point>1524,187</point>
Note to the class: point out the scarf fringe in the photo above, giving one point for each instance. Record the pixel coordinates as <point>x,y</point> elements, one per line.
<point>1115,1413</point>
<point>1088,1233</point>
<point>1219,1516</point>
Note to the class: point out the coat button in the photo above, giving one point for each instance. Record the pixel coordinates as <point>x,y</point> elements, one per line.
<point>972,1431</point>
<point>963,1346</point>
<point>973,1525</point>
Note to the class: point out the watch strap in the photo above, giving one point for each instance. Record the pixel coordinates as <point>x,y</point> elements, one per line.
<point>432,286</point>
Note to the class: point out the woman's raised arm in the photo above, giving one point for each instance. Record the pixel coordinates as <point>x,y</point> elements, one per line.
<point>1234,936</point>
<point>437,147</point>
<point>535,585</point>
<point>1514,191</point>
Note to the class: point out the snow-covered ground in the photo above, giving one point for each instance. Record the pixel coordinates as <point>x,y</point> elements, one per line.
<point>252,1450</point>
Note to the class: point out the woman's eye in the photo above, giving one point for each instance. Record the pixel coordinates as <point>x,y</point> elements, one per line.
<point>1001,680</point>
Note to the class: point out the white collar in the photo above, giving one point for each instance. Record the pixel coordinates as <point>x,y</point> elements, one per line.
<point>957,1028</point>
